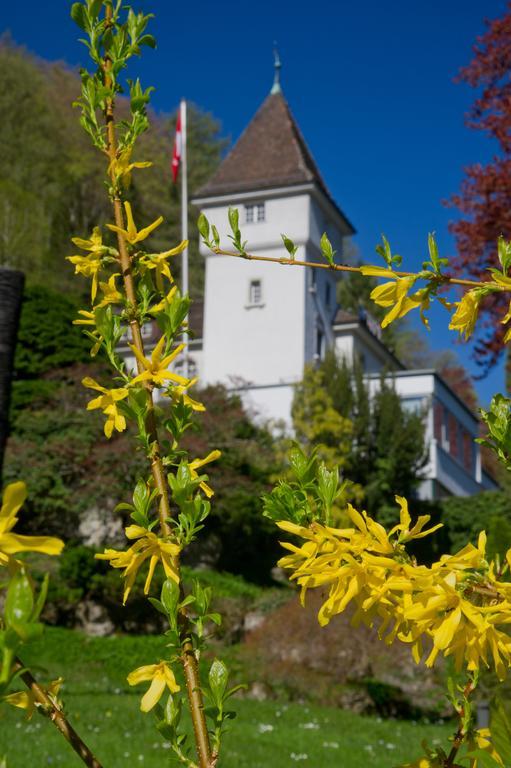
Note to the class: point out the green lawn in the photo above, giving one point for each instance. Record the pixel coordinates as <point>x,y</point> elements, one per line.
<point>105,711</point>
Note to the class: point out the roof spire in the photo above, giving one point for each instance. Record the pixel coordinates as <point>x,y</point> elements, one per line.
<point>277,65</point>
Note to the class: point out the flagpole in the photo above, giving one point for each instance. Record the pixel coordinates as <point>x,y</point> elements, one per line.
<point>184,222</point>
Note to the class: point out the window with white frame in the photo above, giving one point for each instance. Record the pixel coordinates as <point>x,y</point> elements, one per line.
<point>255,293</point>
<point>255,212</point>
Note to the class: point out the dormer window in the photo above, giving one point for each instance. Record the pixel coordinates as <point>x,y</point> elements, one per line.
<point>255,212</point>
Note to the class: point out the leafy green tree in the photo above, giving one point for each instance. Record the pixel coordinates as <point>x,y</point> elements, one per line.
<point>318,423</point>
<point>47,342</point>
<point>383,450</point>
<point>49,172</point>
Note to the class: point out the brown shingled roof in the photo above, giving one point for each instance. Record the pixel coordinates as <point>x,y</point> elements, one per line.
<point>271,152</point>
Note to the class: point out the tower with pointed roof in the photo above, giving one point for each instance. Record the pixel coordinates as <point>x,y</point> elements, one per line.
<point>263,323</point>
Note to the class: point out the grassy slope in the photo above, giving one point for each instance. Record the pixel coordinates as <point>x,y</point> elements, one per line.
<point>105,711</point>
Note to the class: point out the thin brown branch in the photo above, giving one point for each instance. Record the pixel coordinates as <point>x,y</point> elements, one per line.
<point>56,715</point>
<point>443,279</point>
<point>188,657</point>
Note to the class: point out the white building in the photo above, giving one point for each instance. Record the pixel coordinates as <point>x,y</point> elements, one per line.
<point>261,323</point>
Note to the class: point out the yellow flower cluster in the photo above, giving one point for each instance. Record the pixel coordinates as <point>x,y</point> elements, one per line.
<point>455,607</point>
<point>395,295</point>
<point>92,264</point>
<point>155,372</point>
<point>148,546</point>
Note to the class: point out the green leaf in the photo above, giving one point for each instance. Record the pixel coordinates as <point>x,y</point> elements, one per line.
<point>203,227</point>
<point>188,600</point>
<point>234,217</point>
<point>158,605</point>
<point>290,247</point>
<point>170,596</point>
<point>328,483</point>
<point>304,467</point>
<point>433,249</point>
<point>233,690</point>
<point>386,253</point>
<point>41,598</point>
<point>94,8</point>
<point>173,711</point>
<point>141,496</point>
<point>216,236</point>
<point>504,253</point>
<point>148,40</point>
<point>79,16</point>
<point>326,249</point>
<point>19,602</point>
<point>218,676</point>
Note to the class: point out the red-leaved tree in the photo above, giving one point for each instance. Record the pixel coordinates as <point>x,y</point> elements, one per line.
<point>485,196</point>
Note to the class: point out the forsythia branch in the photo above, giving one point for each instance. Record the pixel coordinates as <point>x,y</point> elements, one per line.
<point>57,716</point>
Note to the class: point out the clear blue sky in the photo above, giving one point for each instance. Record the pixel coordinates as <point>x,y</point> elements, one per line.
<point>370,84</point>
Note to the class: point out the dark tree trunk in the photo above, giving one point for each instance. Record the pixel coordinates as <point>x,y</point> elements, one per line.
<point>11,292</point>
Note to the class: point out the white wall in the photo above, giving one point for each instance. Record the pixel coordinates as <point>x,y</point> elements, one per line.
<point>263,344</point>
<point>259,344</point>
<point>344,345</point>
<point>269,403</point>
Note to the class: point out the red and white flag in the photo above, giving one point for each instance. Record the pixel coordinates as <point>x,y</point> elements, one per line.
<point>178,148</point>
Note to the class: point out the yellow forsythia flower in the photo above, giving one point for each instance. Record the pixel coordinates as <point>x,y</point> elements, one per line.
<point>131,234</point>
<point>197,464</point>
<point>26,699</point>
<point>456,607</point>
<point>111,294</point>
<point>181,392</point>
<point>164,302</point>
<point>158,262</point>
<point>464,319</point>
<point>107,401</point>
<point>481,739</point>
<point>12,543</point>
<point>88,318</point>
<point>161,677</point>
<point>90,265</point>
<point>404,523</point>
<point>395,295</point>
<point>121,166</point>
<point>156,369</point>
<point>148,546</point>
